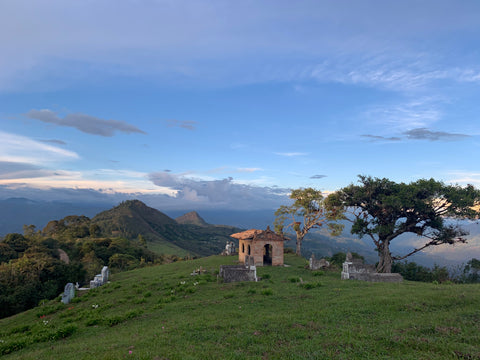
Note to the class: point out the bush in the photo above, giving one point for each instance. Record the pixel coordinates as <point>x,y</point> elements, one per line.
<point>267,292</point>
<point>414,272</point>
<point>308,285</point>
<point>11,346</point>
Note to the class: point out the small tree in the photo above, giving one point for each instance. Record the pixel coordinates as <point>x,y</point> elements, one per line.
<point>383,210</point>
<point>472,271</point>
<point>307,212</point>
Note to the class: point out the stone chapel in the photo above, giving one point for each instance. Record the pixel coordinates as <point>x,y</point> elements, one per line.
<point>260,247</point>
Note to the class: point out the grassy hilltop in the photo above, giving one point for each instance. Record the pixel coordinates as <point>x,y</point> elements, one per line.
<point>162,312</point>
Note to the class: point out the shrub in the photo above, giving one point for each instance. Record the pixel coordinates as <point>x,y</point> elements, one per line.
<point>20,329</point>
<point>267,292</point>
<point>308,285</point>
<point>11,346</point>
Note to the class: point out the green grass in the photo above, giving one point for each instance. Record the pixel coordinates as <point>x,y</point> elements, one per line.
<point>164,313</point>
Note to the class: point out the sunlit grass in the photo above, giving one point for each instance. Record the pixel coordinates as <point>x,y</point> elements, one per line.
<point>163,312</point>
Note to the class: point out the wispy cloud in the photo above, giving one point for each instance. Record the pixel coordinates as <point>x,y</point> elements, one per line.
<point>421,134</point>
<point>464,177</point>
<point>21,149</point>
<point>318,177</point>
<point>291,154</point>
<point>413,113</point>
<point>381,138</point>
<point>209,33</point>
<point>248,170</point>
<point>85,123</point>
<point>18,176</point>
<point>395,71</point>
<point>13,170</point>
<point>54,141</point>
<point>184,124</point>
<point>426,134</point>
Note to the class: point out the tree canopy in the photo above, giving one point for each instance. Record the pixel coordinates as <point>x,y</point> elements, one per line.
<point>307,212</point>
<point>383,210</point>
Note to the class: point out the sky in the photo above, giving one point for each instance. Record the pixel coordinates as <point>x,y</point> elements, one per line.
<point>230,104</point>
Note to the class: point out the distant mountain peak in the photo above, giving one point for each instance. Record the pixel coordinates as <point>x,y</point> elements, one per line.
<point>133,204</point>
<point>191,218</point>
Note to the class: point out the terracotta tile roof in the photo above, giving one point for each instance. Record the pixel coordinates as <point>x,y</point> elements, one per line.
<point>253,234</point>
<point>248,234</point>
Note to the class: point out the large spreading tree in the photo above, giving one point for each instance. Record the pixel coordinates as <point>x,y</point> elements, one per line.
<point>383,210</point>
<point>308,211</point>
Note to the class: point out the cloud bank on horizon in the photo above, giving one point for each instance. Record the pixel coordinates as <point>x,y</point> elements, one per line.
<point>240,101</point>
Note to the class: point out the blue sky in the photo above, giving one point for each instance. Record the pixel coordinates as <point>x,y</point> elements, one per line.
<point>229,104</point>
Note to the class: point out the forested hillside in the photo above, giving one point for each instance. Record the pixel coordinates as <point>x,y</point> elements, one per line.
<point>37,265</point>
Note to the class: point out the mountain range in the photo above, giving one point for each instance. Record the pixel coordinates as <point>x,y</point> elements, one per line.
<point>134,220</point>
<point>187,232</point>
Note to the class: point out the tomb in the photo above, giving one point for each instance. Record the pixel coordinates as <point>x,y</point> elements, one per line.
<point>229,249</point>
<point>355,269</point>
<point>315,264</point>
<point>234,273</point>
<point>100,279</point>
<point>68,294</point>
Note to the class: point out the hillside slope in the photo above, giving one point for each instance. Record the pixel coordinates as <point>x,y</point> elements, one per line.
<point>163,234</point>
<point>163,312</point>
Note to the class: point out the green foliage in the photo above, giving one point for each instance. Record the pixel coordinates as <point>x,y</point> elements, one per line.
<point>384,210</point>
<point>33,277</point>
<point>17,242</point>
<point>310,285</point>
<point>308,211</point>
<point>471,272</point>
<point>267,292</point>
<point>7,253</point>
<point>30,268</point>
<point>414,272</point>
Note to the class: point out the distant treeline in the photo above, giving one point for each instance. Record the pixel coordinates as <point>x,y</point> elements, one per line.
<point>466,274</point>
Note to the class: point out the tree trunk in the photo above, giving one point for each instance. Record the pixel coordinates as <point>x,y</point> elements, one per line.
<point>385,262</point>
<point>299,244</point>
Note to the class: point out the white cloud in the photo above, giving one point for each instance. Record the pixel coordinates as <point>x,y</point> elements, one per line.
<point>464,178</point>
<point>398,117</point>
<point>223,193</point>
<point>104,180</point>
<point>393,70</point>
<point>21,149</point>
<point>291,154</point>
<point>249,170</point>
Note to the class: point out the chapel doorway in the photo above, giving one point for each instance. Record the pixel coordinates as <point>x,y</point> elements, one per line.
<point>267,255</point>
